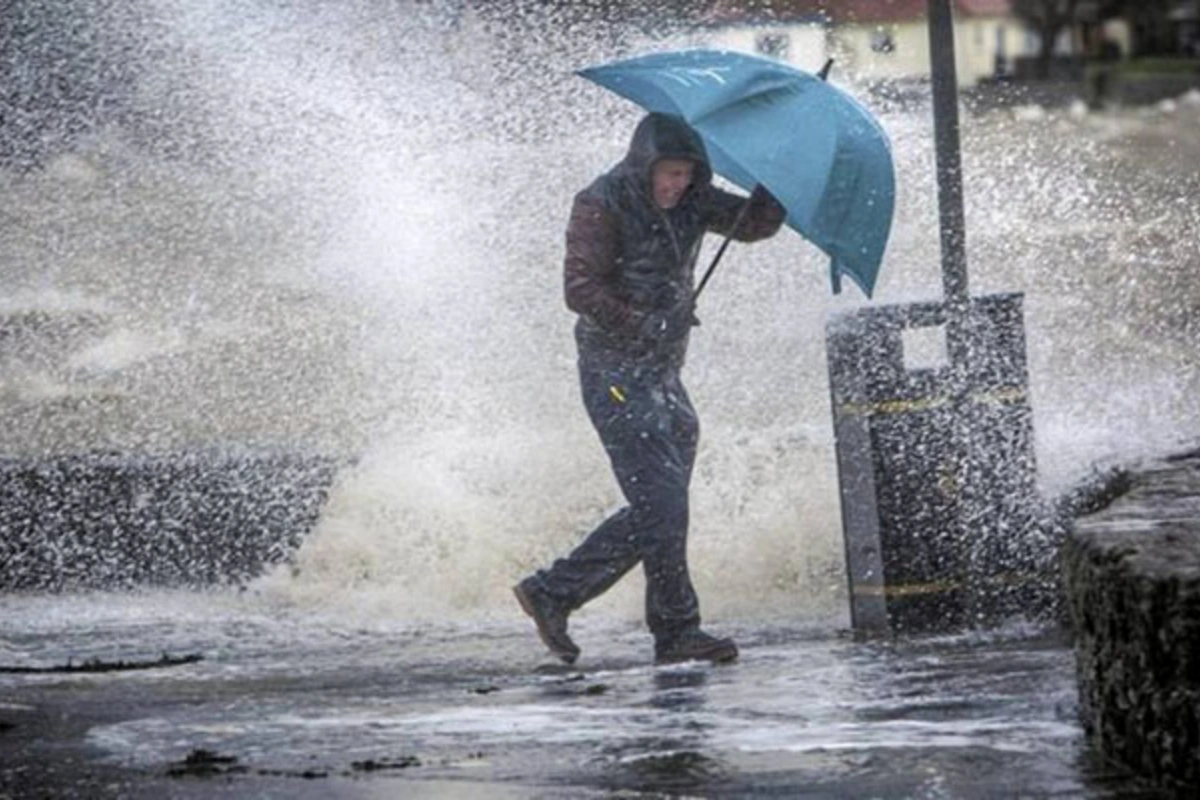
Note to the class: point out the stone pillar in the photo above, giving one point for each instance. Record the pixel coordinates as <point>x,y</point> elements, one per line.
<point>1132,575</point>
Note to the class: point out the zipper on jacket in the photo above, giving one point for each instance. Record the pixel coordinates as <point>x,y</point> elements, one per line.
<point>671,235</point>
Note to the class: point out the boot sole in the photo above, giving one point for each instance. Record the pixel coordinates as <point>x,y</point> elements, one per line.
<point>723,654</point>
<point>567,656</point>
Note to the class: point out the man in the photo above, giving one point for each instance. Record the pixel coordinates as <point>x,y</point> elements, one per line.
<point>632,243</point>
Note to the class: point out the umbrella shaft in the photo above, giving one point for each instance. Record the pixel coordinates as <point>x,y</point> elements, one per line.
<point>737,223</point>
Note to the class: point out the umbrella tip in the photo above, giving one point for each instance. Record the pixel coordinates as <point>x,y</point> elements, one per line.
<point>824,73</point>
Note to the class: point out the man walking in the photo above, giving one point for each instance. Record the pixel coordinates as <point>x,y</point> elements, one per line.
<point>632,243</point>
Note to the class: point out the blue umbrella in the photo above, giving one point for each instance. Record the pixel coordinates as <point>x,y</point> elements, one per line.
<point>814,147</point>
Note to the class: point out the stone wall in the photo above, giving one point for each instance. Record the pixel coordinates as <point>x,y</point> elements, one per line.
<point>1135,89</point>
<point>111,520</point>
<point>1132,573</point>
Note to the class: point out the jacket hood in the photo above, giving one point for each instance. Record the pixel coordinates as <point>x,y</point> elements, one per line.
<point>660,136</point>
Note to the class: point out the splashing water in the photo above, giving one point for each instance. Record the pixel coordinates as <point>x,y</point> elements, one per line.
<point>338,226</point>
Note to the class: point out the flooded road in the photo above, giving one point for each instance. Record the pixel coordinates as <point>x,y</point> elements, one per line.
<point>295,705</point>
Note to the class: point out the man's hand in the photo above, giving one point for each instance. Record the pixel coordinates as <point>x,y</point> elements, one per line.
<point>669,323</point>
<point>761,195</point>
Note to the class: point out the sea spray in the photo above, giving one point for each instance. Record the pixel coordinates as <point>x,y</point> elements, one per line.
<point>338,227</point>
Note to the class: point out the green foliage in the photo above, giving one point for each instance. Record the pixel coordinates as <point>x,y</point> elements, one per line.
<point>1160,66</point>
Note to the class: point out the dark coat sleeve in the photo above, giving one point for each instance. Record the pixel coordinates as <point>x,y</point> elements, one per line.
<point>762,219</point>
<point>590,269</point>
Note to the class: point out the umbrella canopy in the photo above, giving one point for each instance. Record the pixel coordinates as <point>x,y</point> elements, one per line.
<point>814,147</point>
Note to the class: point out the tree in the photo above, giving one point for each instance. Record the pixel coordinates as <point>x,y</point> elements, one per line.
<point>1149,20</point>
<point>1048,18</point>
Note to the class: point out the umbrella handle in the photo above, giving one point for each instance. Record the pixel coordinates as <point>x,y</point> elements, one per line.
<point>737,223</point>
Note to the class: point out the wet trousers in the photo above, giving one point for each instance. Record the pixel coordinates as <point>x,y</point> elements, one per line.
<point>650,431</point>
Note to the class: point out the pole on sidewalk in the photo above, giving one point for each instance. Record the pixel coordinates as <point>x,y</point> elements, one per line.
<point>949,177</point>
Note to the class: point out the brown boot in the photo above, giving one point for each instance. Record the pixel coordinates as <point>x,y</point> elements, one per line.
<point>695,645</point>
<point>550,618</point>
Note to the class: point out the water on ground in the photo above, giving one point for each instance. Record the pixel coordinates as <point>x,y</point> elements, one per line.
<point>312,703</point>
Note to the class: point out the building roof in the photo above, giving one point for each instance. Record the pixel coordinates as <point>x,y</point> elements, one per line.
<point>984,8</point>
<point>840,12</point>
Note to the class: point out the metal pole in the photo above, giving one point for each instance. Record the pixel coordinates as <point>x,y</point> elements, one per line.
<point>949,172</point>
<point>959,454</point>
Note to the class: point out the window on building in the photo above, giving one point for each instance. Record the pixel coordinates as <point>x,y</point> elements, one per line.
<point>882,41</point>
<point>1032,42</point>
<point>773,45</point>
<point>1000,63</point>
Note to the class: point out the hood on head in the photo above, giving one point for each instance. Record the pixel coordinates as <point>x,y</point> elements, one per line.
<point>660,136</point>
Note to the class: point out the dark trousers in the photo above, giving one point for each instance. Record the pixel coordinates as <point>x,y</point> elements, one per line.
<point>650,431</point>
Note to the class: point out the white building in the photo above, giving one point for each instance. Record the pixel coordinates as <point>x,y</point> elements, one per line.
<point>872,39</point>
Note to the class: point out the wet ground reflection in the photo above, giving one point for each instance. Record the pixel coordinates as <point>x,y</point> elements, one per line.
<point>805,712</point>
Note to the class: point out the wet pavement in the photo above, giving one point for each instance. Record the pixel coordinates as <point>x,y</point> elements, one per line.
<point>291,705</point>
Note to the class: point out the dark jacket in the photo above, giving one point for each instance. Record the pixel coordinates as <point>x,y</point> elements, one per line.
<point>626,257</point>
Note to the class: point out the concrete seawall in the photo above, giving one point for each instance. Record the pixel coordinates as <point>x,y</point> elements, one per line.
<point>1132,573</point>
<point>113,520</point>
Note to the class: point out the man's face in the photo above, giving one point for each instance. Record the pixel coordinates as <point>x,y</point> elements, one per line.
<point>671,178</point>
